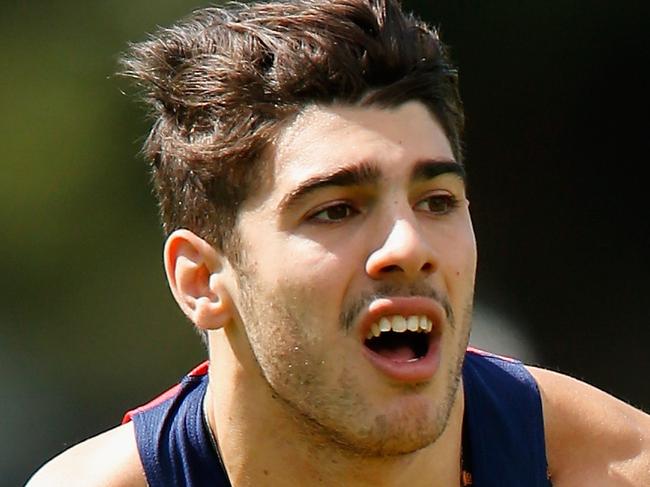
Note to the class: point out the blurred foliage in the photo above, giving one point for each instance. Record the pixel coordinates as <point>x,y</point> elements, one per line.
<point>85,308</point>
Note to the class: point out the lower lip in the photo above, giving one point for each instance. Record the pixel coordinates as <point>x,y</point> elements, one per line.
<point>414,371</point>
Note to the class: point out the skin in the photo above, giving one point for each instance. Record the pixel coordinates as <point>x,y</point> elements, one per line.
<point>290,377</point>
<point>347,243</point>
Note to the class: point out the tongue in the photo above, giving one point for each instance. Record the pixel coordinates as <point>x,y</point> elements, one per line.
<point>402,353</point>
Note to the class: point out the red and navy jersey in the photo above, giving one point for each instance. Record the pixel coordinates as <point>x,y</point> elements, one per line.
<point>503,425</point>
<point>503,430</point>
<point>173,438</point>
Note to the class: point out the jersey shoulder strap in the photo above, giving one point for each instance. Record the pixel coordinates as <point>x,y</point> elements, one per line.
<point>173,439</point>
<point>503,429</point>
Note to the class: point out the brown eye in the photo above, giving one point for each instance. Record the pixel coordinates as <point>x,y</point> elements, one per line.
<point>334,213</point>
<point>438,204</point>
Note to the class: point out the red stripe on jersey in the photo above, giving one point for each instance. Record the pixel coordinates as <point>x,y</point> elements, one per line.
<point>478,351</point>
<point>197,371</point>
<point>200,369</point>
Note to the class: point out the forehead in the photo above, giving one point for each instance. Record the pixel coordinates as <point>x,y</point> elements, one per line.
<point>322,139</point>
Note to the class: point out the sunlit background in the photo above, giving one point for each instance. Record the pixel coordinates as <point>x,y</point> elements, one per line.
<point>556,96</point>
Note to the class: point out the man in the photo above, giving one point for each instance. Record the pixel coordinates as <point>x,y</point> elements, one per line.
<point>307,160</point>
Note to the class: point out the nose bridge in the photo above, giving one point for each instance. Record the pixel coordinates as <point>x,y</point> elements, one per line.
<point>402,235</point>
<point>404,249</point>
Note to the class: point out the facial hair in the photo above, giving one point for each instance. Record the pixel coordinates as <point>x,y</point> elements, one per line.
<point>318,387</point>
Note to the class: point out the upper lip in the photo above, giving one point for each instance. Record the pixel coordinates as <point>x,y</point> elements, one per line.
<point>404,306</point>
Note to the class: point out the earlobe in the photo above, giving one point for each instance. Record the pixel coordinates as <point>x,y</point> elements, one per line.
<point>196,274</point>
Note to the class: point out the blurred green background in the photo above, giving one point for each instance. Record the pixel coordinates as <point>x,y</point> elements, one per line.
<point>557,134</point>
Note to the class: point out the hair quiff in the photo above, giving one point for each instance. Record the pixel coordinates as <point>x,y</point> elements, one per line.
<point>222,82</point>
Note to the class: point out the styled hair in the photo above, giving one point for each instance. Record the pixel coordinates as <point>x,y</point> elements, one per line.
<point>221,84</point>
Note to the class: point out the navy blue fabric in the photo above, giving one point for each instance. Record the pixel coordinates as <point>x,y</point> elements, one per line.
<point>503,431</point>
<point>503,428</point>
<point>174,442</point>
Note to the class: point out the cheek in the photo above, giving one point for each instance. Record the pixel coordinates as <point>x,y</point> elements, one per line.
<point>460,262</point>
<point>295,255</point>
<point>305,292</point>
<point>309,267</point>
<point>465,260</point>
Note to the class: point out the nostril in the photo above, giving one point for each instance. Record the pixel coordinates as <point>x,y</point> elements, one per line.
<point>427,267</point>
<point>391,268</point>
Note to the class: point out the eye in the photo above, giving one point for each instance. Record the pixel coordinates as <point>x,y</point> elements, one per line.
<point>438,204</point>
<point>334,213</point>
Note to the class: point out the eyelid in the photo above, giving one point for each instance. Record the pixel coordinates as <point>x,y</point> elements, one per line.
<point>436,192</point>
<point>310,216</point>
<point>453,201</point>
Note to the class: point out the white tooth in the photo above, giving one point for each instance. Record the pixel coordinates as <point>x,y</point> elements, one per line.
<point>412,323</point>
<point>423,323</point>
<point>429,325</point>
<point>384,324</point>
<point>374,329</point>
<point>399,324</point>
<point>370,335</point>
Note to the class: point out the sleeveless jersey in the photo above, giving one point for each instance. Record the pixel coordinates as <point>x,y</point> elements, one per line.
<point>503,430</point>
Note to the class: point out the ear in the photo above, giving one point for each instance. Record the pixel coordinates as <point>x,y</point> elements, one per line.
<point>196,273</point>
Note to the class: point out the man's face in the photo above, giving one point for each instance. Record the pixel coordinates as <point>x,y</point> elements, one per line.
<point>364,224</point>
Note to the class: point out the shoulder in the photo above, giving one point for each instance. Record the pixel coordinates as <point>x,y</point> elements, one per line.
<point>109,459</point>
<point>592,438</point>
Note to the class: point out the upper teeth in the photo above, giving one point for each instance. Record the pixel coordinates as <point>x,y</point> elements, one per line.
<point>399,324</point>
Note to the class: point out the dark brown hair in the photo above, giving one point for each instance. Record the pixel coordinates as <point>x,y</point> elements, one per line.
<point>222,82</point>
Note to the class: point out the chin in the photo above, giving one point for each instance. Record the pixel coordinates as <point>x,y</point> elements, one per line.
<point>405,427</point>
<point>387,440</point>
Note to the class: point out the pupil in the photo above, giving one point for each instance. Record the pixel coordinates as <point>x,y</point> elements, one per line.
<point>337,212</point>
<point>437,204</point>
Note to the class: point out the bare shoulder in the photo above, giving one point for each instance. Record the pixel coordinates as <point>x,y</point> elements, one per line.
<point>592,438</point>
<point>109,459</point>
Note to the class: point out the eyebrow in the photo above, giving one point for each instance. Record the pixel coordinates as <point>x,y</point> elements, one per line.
<point>366,174</point>
<point>359,175</point>
<point>431,168</point>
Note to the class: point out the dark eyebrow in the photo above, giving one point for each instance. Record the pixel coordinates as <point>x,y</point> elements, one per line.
<point>429,169</point>
<point>359,175</point>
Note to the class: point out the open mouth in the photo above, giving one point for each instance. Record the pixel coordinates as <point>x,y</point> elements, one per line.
<point>400,339</point>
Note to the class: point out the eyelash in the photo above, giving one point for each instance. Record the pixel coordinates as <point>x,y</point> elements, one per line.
<point>450,201</point>
<point>340,204</point>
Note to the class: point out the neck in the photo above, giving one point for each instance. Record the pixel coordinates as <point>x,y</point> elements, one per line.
<point>262,442</point>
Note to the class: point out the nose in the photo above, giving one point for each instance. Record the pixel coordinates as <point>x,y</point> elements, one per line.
<point>404,252</point>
